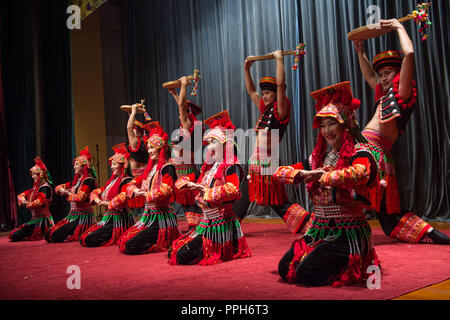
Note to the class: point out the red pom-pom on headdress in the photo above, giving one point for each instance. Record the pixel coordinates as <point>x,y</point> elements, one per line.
<point>85,153</point>
<point>336,101</point>
<point>121,154</point>
<point>154,129</point>
<point>40,164</point>
<point>221,120</point>
<point>121,148</point>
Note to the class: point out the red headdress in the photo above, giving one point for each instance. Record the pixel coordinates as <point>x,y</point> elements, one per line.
<point>121,156</point>
<point>221,129</point>
<point>159,139</point>
<point>336,101</point>
<point>85,160</point>
<point>41,170</point>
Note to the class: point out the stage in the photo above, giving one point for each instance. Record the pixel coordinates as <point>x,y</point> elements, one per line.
<point>39,271</point>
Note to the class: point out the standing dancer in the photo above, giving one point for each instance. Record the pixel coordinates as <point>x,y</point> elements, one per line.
<point>138,155</point>
<point>117,219</point>
<point>184,146</point>
<point>391,77</point>
<point>80,217</point>
<point>218,237</point>
<point>157,227</point>
<point>37,200</point>
<point>338,247</point>
<point>275,110</point>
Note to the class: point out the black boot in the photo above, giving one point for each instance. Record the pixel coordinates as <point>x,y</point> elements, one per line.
<point>437,237</point>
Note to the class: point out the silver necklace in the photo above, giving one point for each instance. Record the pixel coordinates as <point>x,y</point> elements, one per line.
<point>331,158</point>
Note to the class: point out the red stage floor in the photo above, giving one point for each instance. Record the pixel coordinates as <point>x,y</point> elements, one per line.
<point>38,270</point>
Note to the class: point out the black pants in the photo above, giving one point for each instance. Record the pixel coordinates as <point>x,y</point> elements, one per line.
<point>142,241</point>
<point>281,210</point>
<point>327,259</point>
<point>191,252</point>
<point>388,221</point>
<point>137,212</point>
<point>24,232</point>
<point>28,229</point>
<point>240,207</point>
<point>99,236</point>
<point>62,233</point>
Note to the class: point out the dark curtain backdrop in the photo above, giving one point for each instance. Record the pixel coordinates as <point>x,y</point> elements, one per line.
<point>166,39</point>
<point>18,44</point>
<point>54,42</point>
<point>18,93</point>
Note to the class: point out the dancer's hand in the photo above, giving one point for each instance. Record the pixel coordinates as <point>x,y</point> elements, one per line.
<point>184,81</point>
<point>140,193</point>
<point>248,64</point>
<point>314,175</point>
<point>278,55</point>
<point>359,46</point>
<point>64,192</point>
<point>195,186</point>
<point>103,203</point>
<point>200,188</point>
<point>392,23</point>
<point>300,176</point>
<point>134,107</point>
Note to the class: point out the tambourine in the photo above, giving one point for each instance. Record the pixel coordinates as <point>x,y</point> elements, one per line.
<point>140,109</point>
<point>375,30</point>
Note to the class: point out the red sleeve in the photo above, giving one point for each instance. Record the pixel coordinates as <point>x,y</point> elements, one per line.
<point>289,174</point>
<point>21,198</point>
<point>358,173</point>
<point>40,200</point>
<point>82,194</point>
<point>96,195</point>
<point>61,186</point>
<point>165,191</point>
<point>298,166</point>
<point>226,192</point>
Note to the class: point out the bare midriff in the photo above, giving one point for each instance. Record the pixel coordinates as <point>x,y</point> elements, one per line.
<point>136,165</point>
<point>388,129</point>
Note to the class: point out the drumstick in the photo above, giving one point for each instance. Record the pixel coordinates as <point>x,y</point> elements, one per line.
<point>270,56</point>
<point>127,108</point>
<point>176,83</point>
